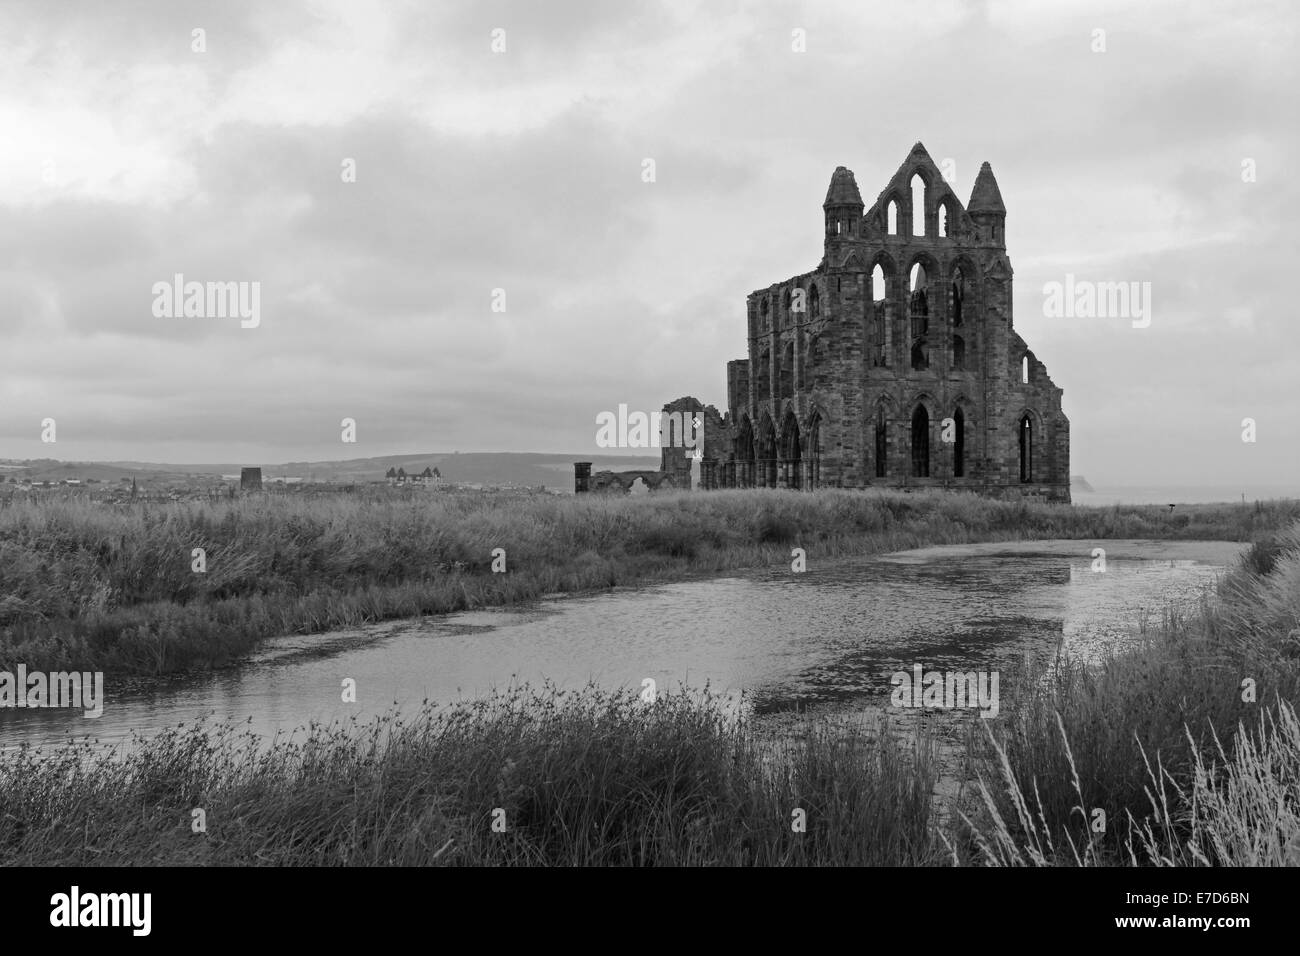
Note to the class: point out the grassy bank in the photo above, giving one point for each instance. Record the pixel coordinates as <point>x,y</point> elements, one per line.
<point>1188,742</point>
<point>89,586</point>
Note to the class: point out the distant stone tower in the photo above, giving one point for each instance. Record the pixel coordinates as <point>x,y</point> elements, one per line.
<point>250,479</point>
<point>581,477</point>
<point>895,362</point>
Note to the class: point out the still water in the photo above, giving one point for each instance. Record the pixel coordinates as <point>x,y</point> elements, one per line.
<point>828,638</point>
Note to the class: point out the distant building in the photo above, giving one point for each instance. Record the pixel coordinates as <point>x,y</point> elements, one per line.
<point>400,477</point>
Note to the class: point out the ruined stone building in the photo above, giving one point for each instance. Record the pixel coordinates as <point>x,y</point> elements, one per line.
<point>895,361</point>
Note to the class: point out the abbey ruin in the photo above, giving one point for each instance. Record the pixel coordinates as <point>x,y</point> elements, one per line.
<point>893,363</point>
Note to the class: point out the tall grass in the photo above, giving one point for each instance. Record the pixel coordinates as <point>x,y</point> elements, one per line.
<point>525,777</point>
<point>1187,743</point>
<point>90,586</point>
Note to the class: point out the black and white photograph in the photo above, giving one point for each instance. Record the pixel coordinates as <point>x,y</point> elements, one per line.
<point>667,434</point>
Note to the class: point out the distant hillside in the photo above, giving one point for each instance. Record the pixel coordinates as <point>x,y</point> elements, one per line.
<point>487,468</point>
<point>1080,483</point>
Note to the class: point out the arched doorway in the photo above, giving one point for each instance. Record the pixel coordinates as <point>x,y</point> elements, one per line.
<point>744,476</point>
<point>767,453</point>
<point>791,452</point>
<point>920,443</point>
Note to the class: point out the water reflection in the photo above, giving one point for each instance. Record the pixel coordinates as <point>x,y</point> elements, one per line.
<point>828,638</point>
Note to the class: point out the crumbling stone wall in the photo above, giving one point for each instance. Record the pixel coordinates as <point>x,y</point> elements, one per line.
<point>621,482</point>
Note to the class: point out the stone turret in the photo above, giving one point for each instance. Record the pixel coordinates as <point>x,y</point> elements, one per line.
<point>986,208</point>
<point>843,211</point>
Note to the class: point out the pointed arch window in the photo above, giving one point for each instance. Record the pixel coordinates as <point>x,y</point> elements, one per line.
<point>919,315</point>
<point>958,292</point>
<point>785,383</point>
<point>763,376</point>
<point>918,205</point>
<point>879,313</point>
<point>1026,448</point>
<point>882,445</point>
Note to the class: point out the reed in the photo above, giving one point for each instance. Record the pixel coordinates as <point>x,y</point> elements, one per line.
<point>525,777</point>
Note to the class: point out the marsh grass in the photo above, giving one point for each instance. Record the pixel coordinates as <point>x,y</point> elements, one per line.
<point>91,586</point>
<point>1188,742</point>
<point>581,778</point>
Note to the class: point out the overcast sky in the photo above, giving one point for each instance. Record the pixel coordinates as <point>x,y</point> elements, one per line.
<point>127,157</point>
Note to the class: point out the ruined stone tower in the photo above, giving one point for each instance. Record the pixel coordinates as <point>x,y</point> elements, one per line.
<point>895,362</point>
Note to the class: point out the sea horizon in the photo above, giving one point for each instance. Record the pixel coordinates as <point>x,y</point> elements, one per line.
<point>1181,494</point>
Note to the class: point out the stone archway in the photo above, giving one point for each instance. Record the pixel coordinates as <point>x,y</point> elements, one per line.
<point>791,453</point>
<point>813,465</point>
<point>744,455</point>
